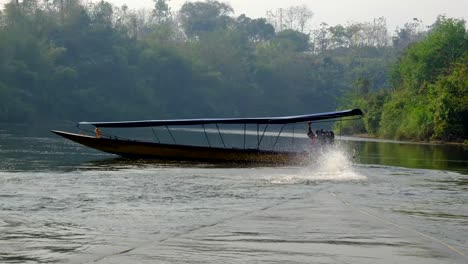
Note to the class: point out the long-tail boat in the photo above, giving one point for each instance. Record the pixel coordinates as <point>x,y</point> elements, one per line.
<point>173,151</point>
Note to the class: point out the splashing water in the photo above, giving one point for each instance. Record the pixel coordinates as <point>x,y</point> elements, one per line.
<point>329,164</point>
<point>335,164</point>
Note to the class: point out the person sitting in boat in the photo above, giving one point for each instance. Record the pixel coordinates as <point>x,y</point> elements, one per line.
<point>310,133</point>
<point>98,132</point>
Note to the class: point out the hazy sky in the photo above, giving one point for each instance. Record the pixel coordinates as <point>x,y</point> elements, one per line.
<point>333,12</point>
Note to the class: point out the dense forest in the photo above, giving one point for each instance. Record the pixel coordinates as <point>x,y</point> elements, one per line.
<point>427,96</point>
<point>71,60</point>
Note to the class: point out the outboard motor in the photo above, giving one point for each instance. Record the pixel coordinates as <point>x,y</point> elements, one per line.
<point>325,137</point>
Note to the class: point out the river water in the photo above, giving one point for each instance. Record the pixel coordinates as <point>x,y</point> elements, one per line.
<point>394,203</point>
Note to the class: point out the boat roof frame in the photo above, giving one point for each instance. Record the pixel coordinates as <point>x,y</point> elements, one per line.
<point>205,121</point>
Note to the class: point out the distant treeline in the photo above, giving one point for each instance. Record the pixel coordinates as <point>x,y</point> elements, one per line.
<point>67,60</point>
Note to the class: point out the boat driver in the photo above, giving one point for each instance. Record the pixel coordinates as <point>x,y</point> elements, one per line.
<point>310,133</point>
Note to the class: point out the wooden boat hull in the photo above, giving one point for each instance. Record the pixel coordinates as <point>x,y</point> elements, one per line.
<point>141,149</point>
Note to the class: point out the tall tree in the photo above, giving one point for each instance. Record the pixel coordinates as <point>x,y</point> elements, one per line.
<point>161,11</point>
<point>298,16</point>
<point>293,17</point>
<point>409,33</point>
<point>199,17</point>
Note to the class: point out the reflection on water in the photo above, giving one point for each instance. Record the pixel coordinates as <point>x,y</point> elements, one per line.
<point>427,156</point>
<point>60,202</point>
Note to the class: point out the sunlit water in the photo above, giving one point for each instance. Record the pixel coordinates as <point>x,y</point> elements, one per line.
<point>63,203</point>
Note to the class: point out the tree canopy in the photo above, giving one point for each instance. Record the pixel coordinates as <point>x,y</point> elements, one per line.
<point>429,84</point>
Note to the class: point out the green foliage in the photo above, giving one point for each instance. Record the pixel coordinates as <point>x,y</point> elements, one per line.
<point>426,60</point>
<point>373,108</point>
<point>449,98</point>
<point>370,103</point>
<point>429,98</point>
<point>430,101</point>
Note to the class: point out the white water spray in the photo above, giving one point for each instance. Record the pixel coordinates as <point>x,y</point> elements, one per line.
<point>332,164</point>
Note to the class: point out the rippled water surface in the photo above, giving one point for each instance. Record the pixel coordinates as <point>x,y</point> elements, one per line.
<point>63,203</point>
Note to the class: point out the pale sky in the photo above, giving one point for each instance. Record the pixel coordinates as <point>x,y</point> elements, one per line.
<point>397,12</point>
